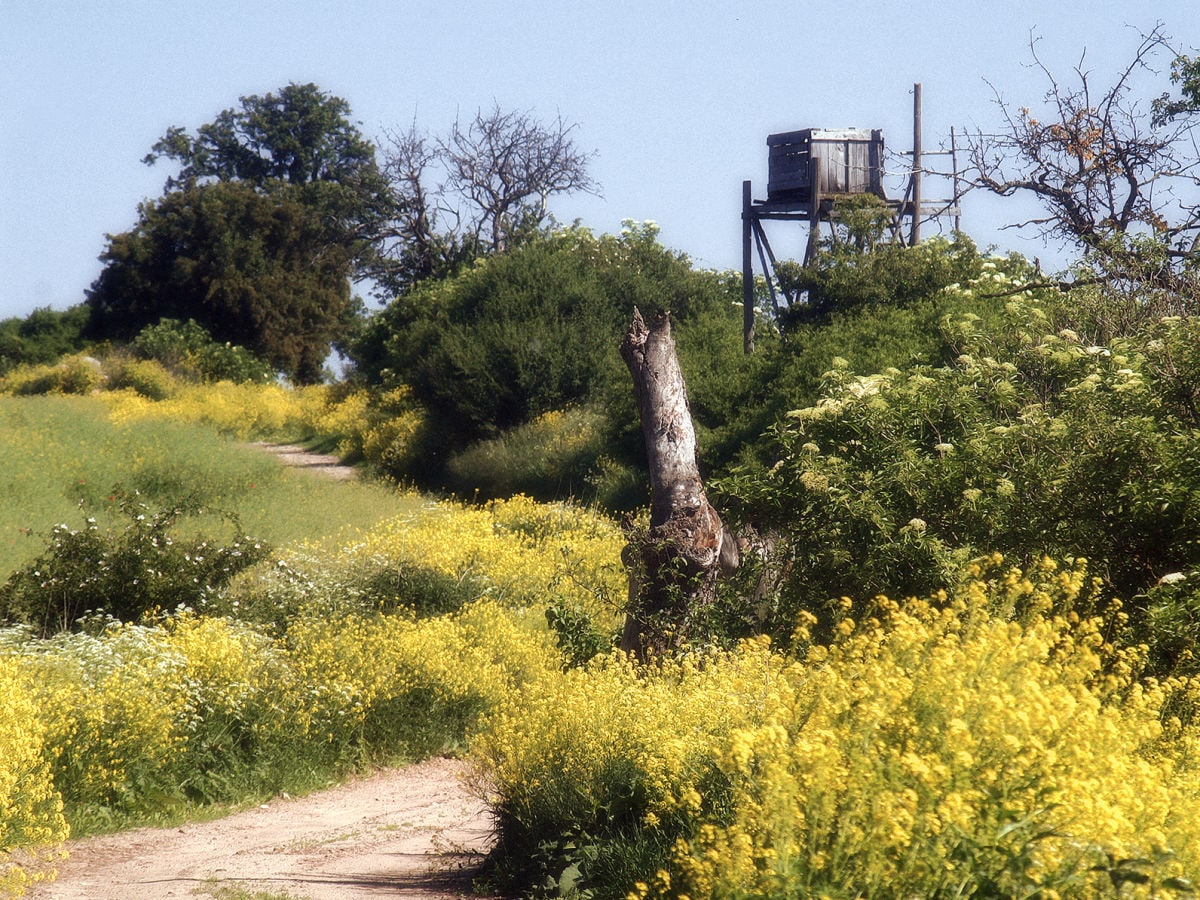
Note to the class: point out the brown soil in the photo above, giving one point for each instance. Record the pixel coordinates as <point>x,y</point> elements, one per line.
<point>320,463</point>
<point>415,832</point>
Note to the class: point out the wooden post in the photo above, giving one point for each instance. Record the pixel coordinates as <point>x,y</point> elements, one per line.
<point>747,271</point>
<point>915,234</point>
<point>673,567</point>
<point>954,171</point>
<point>814,220</point>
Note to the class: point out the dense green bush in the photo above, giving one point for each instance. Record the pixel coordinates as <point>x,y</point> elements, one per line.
<point>189,349</point>
<point>528,331</point>
<point>127,573</point>
<point>1030,442</point>
<point>42,337</point>
<point>848,274</point>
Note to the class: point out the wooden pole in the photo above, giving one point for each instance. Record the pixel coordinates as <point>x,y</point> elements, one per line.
<point>747,270</point>
<point>954,168</point>
<point>814,220</point>
<point>915,234</point>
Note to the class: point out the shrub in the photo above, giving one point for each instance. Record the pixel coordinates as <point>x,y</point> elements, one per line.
<point>1030,442</point>
<point>143,568</point>
<point>527,332</point>
<point>946,751</point>
<point>146,377</point>
<point>846,275</point>
<point>73,375</point>
<point>188,348</point>
<point>380,427</point>
<point>42,337</point>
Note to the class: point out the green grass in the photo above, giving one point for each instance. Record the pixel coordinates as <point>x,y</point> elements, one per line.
<point>61,460</point>
<point>226,892</point>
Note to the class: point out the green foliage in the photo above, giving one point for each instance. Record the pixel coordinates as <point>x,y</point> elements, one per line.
<point>857,271</point>
<point>301,138</point>
<point>578,637</point>
<point>1031,442</point>
<point>1185,72</point>
<point>735,399</point>
<point>143,568</point>
<point>57,451</point>
<point>253,269</point>
<point>550,458</point>
<point>188,348</point>
<point>527,332</point>
<point>41,337</point>
<point>276,205</point>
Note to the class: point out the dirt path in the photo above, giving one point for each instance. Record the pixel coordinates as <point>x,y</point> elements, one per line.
<point>299,458</point>
<point>414,832</point>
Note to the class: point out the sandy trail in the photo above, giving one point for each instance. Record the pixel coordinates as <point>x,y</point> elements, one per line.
<point>297,457</point>
<point>415,832</point>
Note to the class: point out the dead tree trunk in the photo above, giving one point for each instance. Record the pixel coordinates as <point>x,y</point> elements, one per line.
<point>674,565</point>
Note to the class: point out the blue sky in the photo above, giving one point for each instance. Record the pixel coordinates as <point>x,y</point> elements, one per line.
<point>677,99</point>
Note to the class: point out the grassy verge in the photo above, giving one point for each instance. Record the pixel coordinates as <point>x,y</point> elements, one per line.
<point>62,459</point>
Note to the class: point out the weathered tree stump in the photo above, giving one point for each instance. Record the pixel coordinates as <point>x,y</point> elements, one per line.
<point>674,565</point>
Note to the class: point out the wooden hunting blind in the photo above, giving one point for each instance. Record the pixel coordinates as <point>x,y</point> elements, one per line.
<point>850,162</point>
<point>813,170</point>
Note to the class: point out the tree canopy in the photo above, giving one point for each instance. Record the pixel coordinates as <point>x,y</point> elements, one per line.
<point>277,204</point>
<point>530,330</point>
<point>255,270</point>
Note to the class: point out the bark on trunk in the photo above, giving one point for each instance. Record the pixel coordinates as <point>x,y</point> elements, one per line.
<point>674,566</point>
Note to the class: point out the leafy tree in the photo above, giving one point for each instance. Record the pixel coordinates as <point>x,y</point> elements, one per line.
<point>255,270</point>
<point>1112,178</point>
<point>1185,72</point>
<point>276,205</point>
<point>42,337</point>
<point>301,138</point>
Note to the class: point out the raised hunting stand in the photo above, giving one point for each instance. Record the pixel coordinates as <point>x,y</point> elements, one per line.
<point>808,172</point>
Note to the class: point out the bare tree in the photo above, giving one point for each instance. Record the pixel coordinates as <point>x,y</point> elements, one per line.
<point>507,165</point>
<point>1113,178</point>
<point>473,190</point>
<point>674,566</point>
<point>407,158</point>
